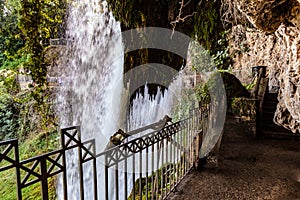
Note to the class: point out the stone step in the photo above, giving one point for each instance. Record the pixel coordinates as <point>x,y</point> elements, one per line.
<point>270,99</point>
<point>267,127</point>
<point>280,135</point>
<point>268,117</point>
<point>270,104</point>
<point>268,113</point>
<point>271,95</point>
<point>274,128</point>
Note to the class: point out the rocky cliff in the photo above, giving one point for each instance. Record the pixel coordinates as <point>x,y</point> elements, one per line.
<point>273,40</point>
<point>263,32</point>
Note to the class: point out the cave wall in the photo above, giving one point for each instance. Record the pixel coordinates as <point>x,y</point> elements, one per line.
<point>273,42</point>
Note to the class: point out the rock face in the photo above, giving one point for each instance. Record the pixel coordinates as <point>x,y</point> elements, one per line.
<point>268,15</point>
<point>288,109</point>
<point>274,43</point>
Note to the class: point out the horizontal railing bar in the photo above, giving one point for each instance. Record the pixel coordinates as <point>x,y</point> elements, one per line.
<point>6,142</point>
<point>126,148</point>
<point>55,173</point>
<point>24,185</point>
<point>8,159</point>
<point>147,136</point>
<point>42,156</point>
<point>7,167</point>
<point>87,159</point>
<point>76,127</point>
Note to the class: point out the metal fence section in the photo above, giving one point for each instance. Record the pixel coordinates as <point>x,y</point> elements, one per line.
<point>144,167</point>
<point>40,168</point>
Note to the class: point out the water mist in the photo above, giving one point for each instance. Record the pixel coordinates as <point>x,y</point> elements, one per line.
<point>91,83</point>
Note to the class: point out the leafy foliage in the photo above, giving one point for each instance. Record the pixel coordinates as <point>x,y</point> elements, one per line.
<point>39,21</point>
<point>222,57</point>
<point>11,40</point>
<point>206,23</point>
<point>186,104</point>
<point>19,118</point>
<point>203,89</point>
<point>233,87</point>
<point>8,116</point>
<point>200,58</point>
<point>9,108</point>
<point>244,108</point>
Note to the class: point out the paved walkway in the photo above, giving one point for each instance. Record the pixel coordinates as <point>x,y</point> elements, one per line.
<point>247,169</point>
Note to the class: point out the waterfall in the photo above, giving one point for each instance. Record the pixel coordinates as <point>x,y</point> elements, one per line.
<point>91,83</point>
<point>92,95</point>
<point>146,109</point>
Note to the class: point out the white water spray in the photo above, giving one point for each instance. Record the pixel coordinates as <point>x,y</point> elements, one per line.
<point>147,109</point>
<point>91,84</point>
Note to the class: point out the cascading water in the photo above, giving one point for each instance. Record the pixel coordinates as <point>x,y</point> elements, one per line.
<point>91,92</point>
<point>91,83</point>
<point>147,109</point>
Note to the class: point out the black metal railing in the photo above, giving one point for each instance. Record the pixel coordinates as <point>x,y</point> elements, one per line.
<point>146,167</point>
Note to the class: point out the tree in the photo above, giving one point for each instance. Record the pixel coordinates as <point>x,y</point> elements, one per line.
<point>10,35</point>
<point>40,21</point>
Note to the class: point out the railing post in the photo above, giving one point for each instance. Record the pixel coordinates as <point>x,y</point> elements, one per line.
<point>198,144</point>
<point>106,178</point>
<point>80,167</point>
<point>64,165</point>
<point>44,178</point>
<point>117,179</point>
<point>95,173</point>
<point>17,166</point>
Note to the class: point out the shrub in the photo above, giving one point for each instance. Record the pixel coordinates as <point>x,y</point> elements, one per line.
<point>9,116</point>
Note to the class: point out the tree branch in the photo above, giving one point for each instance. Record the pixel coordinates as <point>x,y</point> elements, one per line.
<point>179,17</point>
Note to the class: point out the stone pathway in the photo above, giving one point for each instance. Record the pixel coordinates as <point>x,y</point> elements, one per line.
<point>247,169</point>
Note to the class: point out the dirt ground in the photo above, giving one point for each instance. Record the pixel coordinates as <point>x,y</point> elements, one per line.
<point>248,168</point>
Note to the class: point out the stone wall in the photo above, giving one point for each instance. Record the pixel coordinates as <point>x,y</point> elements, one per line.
<point>274,42</point>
